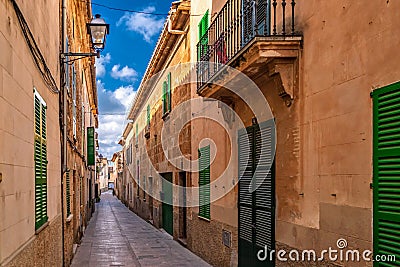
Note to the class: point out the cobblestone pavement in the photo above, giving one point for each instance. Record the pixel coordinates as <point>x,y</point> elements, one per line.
<point>117,237</point>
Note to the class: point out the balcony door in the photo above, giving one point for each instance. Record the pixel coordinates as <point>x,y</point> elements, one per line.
<point>256,205</point>
<point>256,19</point>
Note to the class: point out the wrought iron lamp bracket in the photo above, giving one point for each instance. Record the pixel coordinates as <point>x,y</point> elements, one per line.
<point>77,56</point>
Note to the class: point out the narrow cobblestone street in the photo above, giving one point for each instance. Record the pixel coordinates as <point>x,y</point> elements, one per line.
<point>118,237</point>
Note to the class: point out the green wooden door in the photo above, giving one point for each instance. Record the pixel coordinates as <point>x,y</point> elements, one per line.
<point>256,207</point>
<point>386,164</point>
<point>167,208</point>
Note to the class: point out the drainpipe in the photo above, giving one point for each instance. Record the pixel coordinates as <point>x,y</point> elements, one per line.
<point>63,120</point>
<point>170,30</point>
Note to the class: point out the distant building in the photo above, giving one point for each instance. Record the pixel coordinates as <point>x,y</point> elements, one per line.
<point>102,173</point>
<point>117,160</point>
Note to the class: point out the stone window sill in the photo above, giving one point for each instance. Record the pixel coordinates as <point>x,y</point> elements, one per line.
<point>165,116</point>
<point>41,228</point>
<point>203,218</point>
<point>69,218</point>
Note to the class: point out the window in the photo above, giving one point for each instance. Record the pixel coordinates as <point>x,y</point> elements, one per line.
<point>67,78</point>
<point>74,101</point>
<point>148,116</point>
<point>137,133</point>
<point>204,182</point>
<point>144,187</point>
<point>129,154</point>
<point>203,38</point>
<point>68,193</point>
<point>137,177</point>
<point>40,158</point>
<point>83,129</point>
<point>167,95</point>
<point>91,152</point>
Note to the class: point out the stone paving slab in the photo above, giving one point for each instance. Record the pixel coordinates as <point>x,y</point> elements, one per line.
<point>118,237</point>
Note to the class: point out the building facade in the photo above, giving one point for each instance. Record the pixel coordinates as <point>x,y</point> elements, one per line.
<point>30,163</point>
<point>144,161</point>
<point>81,121</point>
<point>331,137</point>
<point>324,152</point>
<point>44,214</point>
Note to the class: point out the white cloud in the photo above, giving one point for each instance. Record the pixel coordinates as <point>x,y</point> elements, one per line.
<point>110,129</point>
<point>125,95</point>
<point>113,106</point>
<point>145,24</point>
<point>100,64</point>
<point>125,74</point>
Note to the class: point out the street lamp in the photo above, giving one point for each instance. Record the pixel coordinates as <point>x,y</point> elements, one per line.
<point>98,29</point>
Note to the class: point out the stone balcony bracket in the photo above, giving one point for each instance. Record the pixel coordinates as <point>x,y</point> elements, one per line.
<point>278,57</point>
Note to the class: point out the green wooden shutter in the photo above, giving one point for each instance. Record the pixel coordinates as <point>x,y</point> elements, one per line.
<point>169,92</point>
<point>164,95</point>
<point>148,114</point>
<point>137,133</point>
<point>68,193</point>
<point>67,81</point>
<point>386,165</point>
<point>74,101</point>
<point>203,27</point>
<point>204,182</point>
<point>91,152</point>
<point>40,158</point>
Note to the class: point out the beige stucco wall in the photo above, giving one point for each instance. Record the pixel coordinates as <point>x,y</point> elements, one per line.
<point>349,50</point>
<point>18,77</point>
<point>324,153</point>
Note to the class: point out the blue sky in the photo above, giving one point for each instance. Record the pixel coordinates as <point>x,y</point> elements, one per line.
<point>123,62</point>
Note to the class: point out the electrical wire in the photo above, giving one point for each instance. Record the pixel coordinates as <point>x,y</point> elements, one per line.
<point>129,10</point>
<point>35,51</point>
<point>132,11</point>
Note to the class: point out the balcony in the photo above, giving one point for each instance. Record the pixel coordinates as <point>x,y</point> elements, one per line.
<point>147,131</point>
<point>249,35</point>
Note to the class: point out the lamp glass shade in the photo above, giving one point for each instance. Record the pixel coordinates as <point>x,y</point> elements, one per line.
<point>98,29</point>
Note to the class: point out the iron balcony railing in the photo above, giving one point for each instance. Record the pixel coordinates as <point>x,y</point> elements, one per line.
<point>238,22</point>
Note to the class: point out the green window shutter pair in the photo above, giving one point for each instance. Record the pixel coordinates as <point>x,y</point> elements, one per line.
<point>386,170</point>
<point>68,193</point>
<point>167,94</point>
<point>91,152</point>
<point>204,182</point>
<point>40,157</point>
